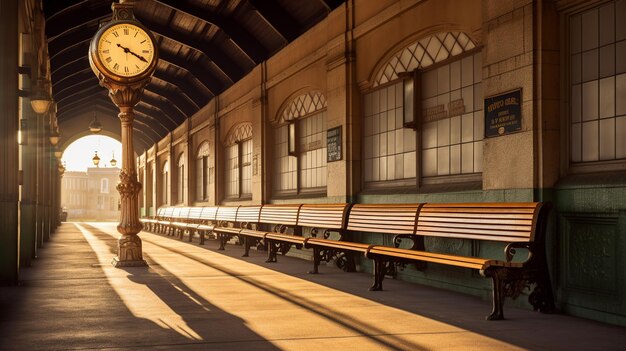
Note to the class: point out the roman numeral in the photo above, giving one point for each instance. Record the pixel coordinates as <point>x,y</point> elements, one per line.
<point>115,34</point>
<point>126,69</point>
<point>137,66</point>
<point>108,59</point>
<point>105,51</point>
<point>116,66</point>
<point>143,41</point>
<point>145,51</point>
<point>135,34</point>
<point>126,32</point>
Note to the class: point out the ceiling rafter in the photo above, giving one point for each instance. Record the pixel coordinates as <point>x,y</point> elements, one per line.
<point>249,45</point>
<point>278,18</point>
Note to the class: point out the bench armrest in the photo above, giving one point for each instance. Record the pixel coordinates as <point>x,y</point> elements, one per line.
<point>510,250</point>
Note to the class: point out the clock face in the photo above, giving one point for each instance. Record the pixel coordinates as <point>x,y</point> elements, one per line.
<point>125,50</point>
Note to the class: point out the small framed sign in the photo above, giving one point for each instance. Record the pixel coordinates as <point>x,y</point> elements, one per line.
<point>333,144</point>
<point>503,113</point>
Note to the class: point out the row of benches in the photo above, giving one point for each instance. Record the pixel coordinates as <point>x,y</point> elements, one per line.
<point>280,227</point>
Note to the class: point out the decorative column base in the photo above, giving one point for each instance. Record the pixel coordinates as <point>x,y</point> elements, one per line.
<point>129,252</point>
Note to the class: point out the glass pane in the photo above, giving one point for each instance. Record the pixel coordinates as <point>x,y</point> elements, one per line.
<point>429,84</point>
<point>429,135</point>
<point>620,20</point>
<point>429,164</point>
<point>467,158</point>
<point>620,53</point>
<point>590,65</point>
<point>409,139</point>
<point>455,159</point>
<point>467,127</point>
<point>367,102</point>
<point>455,130</point>
<point>478,67</point>
<point>383,168</point>
<point>607,97</point>
<point>607,24</point>
<point>590,101</point>
<point>391,167</point>
<point>590,141</point>
<point>399,162</point>
<point>576,68</point>
<point>478,96</point>
<point>467,71</point>
<point>443,160</point>
<point>443,79</point>
<point>607,139</point>
<point>576,104</point>
<point>410,166</point>
<point>607,61</point>
<point>620,137</point>
<point>620,94</point>
<point>443,132</point>
<point>478,156</point>
<point>590,30</point>
<point>455,75</point>
<point>468,98</point>
<point>399,140</point>
<point>383,99</point>
<point>391,97</point>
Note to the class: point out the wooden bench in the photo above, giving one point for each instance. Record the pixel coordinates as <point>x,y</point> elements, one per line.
<point>164,220</point>
<point>180,221</point>
<point>521,225</point>
<point>273,219</point>
<point>393,219</point>
<point>150,222</point>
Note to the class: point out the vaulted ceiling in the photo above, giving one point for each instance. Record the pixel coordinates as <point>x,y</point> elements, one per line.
<point>204,46</point>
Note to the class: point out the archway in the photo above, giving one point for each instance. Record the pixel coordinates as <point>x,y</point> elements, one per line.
<point>88,188</point>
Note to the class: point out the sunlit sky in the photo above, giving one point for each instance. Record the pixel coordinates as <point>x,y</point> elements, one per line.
<point>78,156</point>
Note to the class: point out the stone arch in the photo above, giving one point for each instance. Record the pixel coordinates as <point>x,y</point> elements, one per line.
<point>301,105</point>
<point>421,54</point>
<point>239,132</point>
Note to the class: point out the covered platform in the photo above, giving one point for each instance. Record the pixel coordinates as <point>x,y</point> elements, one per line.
<point>194,297</point>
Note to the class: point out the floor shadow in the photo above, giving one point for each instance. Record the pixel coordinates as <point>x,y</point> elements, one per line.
<point>526,329</point>
<point>67,302</point>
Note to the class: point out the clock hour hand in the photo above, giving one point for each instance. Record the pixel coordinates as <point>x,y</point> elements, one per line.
<point>128,51</point>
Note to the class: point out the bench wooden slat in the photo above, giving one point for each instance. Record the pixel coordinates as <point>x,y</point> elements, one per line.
<point>345,245</point>
<point>209,213</point>
<point>248,214</point>
<point>477,225</point>
<point>280,214</point>
<point>330,216</point>
<point>227,213</point>
<point>293,239</point>
<point>495,221</point>
<point>254,233</point>
<point>388,218</point>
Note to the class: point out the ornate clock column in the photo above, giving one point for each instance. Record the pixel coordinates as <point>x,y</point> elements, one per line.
<point>129,252</point>
<point>123,56</point>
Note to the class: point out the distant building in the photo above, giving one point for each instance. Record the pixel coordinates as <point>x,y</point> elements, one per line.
<point>91,195</point>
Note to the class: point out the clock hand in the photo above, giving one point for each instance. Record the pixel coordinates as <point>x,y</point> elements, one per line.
<point>128,51</point>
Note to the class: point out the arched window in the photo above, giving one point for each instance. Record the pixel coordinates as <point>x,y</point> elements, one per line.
<point>202,172</point>
<point>238,162</point>
<point>180,179</point>
<point>446,109</point>
<point>104,186</point>
<point>165,183</point>
<point>300,145</point>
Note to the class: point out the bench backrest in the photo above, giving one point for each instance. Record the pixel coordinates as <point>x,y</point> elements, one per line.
<point>208,213</point>
<point>195,212</point>
<point>280,214</point>
<point>384,218</point>
<point>227,213</point>
<point>160,211</point>
<point>249,214</point>
<point>184,213</point>
<point>168,212</point>
<point>483,221</point>
<point>328,216</point>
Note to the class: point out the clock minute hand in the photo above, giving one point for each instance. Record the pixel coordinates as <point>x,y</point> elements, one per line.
<point>127,50</point>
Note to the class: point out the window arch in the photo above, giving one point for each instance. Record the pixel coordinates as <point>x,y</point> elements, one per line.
<point>238,161</point>
<point>180,179</point>
<point>202,172</point>
<point>445,109</point>
<point>165,183</point>
<point>300,145</point>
